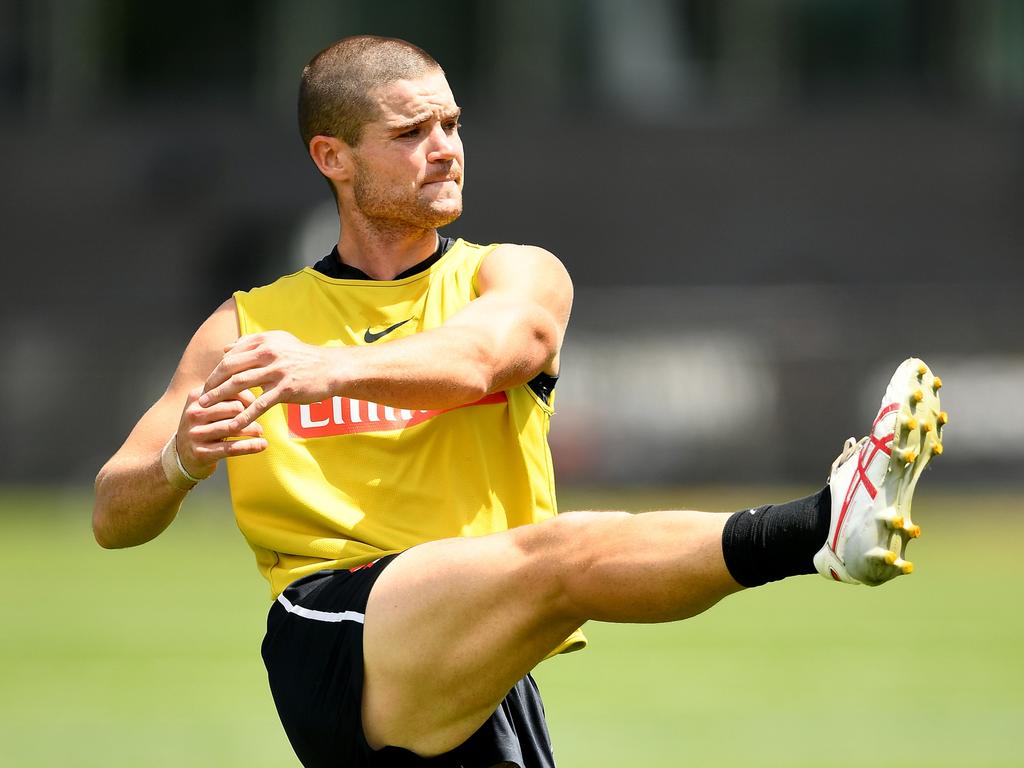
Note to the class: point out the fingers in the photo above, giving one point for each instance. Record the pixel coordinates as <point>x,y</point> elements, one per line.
<point>235,372</point>
<point>247,417</point>
<point>208,434</point>
<point>221,411</point>
<point>244,407</point>
<point>233,400</point>
<point>261,360</point>
<point>224,430</point>
<point>215,417</point>
<point>249,341</point>
<point>211,453</point>
<point>232,387</point>
<point>242,419</point>
<point>275,362</point>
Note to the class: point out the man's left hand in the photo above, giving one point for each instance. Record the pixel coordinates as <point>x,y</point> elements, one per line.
<point>286,369</point>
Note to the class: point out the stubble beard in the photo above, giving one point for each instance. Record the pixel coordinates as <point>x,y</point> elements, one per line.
<point>397,208</point>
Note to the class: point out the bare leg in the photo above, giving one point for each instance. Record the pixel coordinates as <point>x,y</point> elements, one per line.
<point>451,625</point>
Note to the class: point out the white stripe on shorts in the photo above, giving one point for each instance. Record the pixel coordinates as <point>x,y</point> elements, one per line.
<point>308,613</point>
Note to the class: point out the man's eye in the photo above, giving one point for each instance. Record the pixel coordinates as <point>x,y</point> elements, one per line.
<point>452,126</point>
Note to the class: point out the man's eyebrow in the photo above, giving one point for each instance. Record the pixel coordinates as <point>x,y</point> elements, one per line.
<point>412,122</point>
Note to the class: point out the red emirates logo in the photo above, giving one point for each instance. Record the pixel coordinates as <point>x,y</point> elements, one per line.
<point>346,416</point>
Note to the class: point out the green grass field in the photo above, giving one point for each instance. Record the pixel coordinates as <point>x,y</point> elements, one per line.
<point>150,657</point>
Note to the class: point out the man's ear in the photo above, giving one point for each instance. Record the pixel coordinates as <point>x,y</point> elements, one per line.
<point>332,156</point>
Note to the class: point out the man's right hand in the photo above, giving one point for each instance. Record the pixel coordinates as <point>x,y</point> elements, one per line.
<point>205,434</point>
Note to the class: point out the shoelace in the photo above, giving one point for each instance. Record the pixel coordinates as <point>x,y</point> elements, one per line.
<point>850,447</point>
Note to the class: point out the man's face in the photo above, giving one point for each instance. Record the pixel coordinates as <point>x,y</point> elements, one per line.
<point>409,163</point>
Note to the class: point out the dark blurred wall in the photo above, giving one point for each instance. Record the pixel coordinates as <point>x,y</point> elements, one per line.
<point>843,180</point>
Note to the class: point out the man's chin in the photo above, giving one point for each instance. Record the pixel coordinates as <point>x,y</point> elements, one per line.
<point>423,216</point>
<point>442,216</point>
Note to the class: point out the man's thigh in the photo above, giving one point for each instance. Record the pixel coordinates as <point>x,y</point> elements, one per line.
<point>313,651</point>
<point>451,626</point>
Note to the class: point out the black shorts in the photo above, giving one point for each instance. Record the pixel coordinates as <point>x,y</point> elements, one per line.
<point>313,652</point>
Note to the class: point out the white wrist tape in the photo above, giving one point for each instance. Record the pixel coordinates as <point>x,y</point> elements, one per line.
<point>174,470</point>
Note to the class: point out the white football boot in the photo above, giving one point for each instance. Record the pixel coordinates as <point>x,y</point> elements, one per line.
<point>873,482</point>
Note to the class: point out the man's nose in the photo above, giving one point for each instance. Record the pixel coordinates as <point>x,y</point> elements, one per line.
<point>443,145</point>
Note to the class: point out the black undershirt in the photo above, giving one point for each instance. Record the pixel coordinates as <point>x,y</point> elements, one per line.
<point>332,265</point>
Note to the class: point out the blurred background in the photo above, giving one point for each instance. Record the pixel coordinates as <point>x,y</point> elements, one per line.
<point>765,206</point>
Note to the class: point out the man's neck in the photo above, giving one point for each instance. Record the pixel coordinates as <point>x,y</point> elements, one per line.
<point>384,252</point>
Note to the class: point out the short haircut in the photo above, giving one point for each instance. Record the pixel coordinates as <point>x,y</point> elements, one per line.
<point>334,92</point>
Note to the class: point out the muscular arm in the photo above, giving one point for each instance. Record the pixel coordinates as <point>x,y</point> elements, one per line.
<point>134,500</point>
<point>512,332</point>
<point>502,339</point>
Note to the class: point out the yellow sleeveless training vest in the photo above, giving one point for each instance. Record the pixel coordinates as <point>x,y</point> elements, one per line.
<point>344,481</point>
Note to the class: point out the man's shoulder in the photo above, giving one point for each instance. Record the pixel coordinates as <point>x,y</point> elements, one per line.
<point>510,247</point>
<point>520,258</point>
<point>507,247</point>
<point>524,253</point>
<point>492,260</point>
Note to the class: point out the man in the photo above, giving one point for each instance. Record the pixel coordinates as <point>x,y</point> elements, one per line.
<point>384,417</point>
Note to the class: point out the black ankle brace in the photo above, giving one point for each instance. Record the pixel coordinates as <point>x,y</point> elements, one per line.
<point>777,540</point>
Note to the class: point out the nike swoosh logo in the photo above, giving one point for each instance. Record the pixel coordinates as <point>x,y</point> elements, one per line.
<point>370,337</point>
